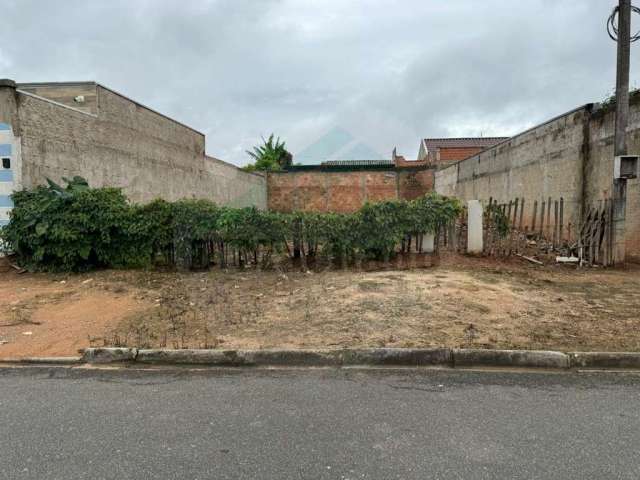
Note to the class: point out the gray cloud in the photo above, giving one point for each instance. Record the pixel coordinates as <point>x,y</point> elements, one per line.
<point>389,72</point>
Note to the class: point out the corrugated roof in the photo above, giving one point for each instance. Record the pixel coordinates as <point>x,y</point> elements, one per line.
<point>356,163</point>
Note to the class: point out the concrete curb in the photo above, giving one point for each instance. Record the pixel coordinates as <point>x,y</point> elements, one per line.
<point>605,360</point>
<point>225,358</point>
<point>109,355</point>
<point>44,360</point>
<point>510,358</point>
<point>401,357</point>
<point>397,356</point>
<point>307,358</point>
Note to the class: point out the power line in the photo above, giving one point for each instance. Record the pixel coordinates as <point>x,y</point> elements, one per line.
<point>612,24</point>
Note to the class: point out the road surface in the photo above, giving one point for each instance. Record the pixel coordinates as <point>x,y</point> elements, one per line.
<point>317,424</point>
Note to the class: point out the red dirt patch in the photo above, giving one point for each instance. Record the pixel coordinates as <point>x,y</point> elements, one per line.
<point>40,316</point>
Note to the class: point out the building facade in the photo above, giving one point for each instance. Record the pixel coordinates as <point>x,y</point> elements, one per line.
<point>445,151</point>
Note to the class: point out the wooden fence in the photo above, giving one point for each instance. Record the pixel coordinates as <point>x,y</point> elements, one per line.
<point>538,228</point>
<point>595,237</point>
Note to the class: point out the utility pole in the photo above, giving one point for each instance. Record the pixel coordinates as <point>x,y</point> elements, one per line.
<point>622,76</point>
<point>622,118</point>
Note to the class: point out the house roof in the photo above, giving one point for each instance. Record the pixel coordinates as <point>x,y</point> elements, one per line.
<point>465,142</point>
<point>357,163</point>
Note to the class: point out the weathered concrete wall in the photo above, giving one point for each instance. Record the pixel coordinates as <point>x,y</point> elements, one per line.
<point>127,145</point>
<point>231,186</point>
<point>599,168</point>
<point>344,191</point>
<point>80,95</point>
<point>543,162</point>
<point>569,157</point>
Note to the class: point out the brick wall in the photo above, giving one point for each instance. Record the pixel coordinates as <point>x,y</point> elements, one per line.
<point>343,191</point>
<point>415,183</point>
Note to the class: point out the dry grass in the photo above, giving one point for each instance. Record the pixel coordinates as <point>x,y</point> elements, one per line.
<point>481,304</point>
<point>462,302</point>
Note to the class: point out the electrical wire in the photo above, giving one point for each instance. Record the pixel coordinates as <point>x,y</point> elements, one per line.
<point>612,27</point>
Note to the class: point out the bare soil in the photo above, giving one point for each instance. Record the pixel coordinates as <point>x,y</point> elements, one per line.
<point>462,302</point>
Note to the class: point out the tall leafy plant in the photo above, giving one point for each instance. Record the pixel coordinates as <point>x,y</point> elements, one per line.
<point>272,155</point>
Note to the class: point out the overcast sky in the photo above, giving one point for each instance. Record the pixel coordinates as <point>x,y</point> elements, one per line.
<point>389,72</point>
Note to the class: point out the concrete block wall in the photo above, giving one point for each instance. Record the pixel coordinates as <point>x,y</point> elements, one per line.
<point>234,187</point>
<point>114,141</point>
<point>599,168</point>
<point>570,157</point>
<point>343,191</point>
<point>79,95</point>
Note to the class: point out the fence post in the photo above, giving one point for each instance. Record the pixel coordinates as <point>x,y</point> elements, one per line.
<point>474,229</point>
<point>428,243</point>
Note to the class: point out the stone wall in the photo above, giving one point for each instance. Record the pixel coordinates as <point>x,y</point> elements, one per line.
<point>343,191</point>
<point>124,144</point>
<point>569,157</point>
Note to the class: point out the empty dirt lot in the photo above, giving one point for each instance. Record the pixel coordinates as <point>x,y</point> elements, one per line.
<point>461,302</point>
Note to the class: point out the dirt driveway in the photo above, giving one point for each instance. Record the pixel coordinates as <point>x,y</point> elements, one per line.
<point>461,302</point>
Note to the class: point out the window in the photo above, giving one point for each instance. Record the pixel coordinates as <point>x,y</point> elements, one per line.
<point>6,163</point>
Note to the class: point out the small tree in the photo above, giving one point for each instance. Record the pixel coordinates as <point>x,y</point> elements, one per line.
<point>270,156</point>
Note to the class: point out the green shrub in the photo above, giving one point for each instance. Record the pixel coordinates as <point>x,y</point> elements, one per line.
<point>494,215</point>
<point>71,229</point>
<point>78,228</point>
<point>153,226</point>
<point>381,227</point>
<point>194,229</point>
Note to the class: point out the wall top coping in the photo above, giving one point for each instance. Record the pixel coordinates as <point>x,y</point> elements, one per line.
<point>7,82</point>
<point>57,104</point>
<point>90,83</point>
<point>587,107</point>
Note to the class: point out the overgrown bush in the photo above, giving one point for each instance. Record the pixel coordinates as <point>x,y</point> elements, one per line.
<point>78,228</point>
<point>72,228</point>
<point>494,215</point>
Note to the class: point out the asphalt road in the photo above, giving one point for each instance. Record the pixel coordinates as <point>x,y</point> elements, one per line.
<point>317,424</point>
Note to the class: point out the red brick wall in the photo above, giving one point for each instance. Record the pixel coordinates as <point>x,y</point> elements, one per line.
<point>453,154</point>
<point>414,184</point>
<point>323,191</point>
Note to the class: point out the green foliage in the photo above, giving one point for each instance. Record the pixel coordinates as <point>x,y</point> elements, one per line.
<point>431,212</point>
<point>494,215</point>
<point>272,155</point>
<point>381,227</point>
<point>609,102</point>
<point>248,230</point>
<point>78,228</point>
<point>153,226</point>
<point>72,228</point>
<point>194,227</point>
